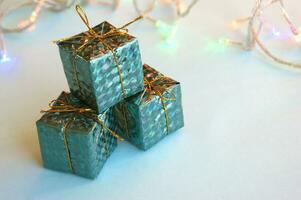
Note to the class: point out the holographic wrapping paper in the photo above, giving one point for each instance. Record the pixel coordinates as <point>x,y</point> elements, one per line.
<point>143,123</point>
<point>92,73</point>
<point>89,149</point>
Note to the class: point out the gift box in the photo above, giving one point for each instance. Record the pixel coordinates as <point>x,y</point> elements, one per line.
<point>103,65</point>
<point>147,117</point>
<point>73,138</point>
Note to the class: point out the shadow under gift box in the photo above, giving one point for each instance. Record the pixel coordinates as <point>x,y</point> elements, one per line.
<point>84,141</point>
<point>92,73</point>
<point>142,121</point>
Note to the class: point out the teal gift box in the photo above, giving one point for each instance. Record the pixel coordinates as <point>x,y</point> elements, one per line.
<point>73,139</point>
<point>103,65</point>
<point>147,117</point>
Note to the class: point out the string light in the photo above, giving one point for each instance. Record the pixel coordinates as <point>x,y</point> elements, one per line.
<point>297,38</point>
<point>4,58</point>
<point>6,62</point>
<point>30,21</point>
<point>113,3</point>
<point>53,5</point>
<point>59,5</point>
<point>254,32</point>
<point>213,46</point>
<point>234,24</point>
<point>166,30</point>
<point>3,55</point>
<point>183,10</point>
<point>224,41</point>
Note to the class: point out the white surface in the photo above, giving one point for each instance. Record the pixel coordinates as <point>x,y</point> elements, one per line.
<point>242,135</point>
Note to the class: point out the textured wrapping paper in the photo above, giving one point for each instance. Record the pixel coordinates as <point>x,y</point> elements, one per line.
<point>92,73</point>
<point>142,121</point>
<point>89,143</point>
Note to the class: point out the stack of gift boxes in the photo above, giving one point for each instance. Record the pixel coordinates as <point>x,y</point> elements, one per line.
<point>112,96</point>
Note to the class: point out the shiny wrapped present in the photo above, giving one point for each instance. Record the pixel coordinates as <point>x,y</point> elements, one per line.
<point>102,65</point>
<point>73,138</point>
<point>147,117</point>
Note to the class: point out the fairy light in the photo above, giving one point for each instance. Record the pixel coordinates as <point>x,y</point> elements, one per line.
<point>3,55</point>
<point>167,31</point>
<point>213,46</point>
<point>182,9</point>
<point>4,58</point>
<point>253,32</point>
<point>112,3</point>
<point>224,41</point>
<point>275,32</point>
<point>6,62</point>
<point>53,5</point>
<point>297,37</point>
<point>59,5</point>
<point>26,24</point>
<point>234,24</point>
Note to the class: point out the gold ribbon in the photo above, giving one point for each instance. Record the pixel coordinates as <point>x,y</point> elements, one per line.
<point>63,107</point>
<point>93,35</point>
<point>152,88</point>
<point>124,111</point>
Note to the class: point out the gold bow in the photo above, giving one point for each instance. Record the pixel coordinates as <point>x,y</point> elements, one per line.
<point>153,88</point>
<point>93,35</point>
<point>63,107</point>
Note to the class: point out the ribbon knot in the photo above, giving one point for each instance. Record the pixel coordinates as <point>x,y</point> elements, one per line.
<point>102,37</point>
<point>92,35</point>
<point>60,106</point>
<point>157,87</point>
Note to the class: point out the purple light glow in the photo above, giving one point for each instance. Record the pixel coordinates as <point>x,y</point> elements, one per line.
<point>5,58</point>
<point>7,63</point>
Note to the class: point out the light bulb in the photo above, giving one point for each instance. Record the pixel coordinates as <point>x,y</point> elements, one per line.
<point>4,58</point>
